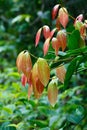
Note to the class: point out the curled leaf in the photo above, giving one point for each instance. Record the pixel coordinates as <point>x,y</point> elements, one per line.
<point>38,34</point>
<point>63,16</point>
<point>60,72</point>
<point>55,11</point>
<point>43,71</point>
<point>52,93</point>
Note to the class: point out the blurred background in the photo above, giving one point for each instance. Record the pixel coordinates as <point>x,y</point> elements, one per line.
<point>19,22</point>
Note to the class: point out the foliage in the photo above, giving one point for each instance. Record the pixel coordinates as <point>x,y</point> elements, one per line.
<point>18,27</point>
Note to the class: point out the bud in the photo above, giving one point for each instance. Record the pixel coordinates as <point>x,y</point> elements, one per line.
<point>24,63</point>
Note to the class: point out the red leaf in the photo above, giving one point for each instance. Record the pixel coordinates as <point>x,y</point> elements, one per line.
<point>55,45</point>
<point>46,46</point>
<point>63,17</point>
<point>46,31</point>
<point>30,90</point>
<point>38,34</point>
<point>23,80</point>
<point>52,93</point>
<point>54,11</point>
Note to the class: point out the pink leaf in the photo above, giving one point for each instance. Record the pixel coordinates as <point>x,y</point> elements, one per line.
<point>38,34</point>
<point>52,32</point>
<point>79,18</point>
<point>46,31</point>
<point>63,17</point>
<point>54,11</point>
<point>46,46</point>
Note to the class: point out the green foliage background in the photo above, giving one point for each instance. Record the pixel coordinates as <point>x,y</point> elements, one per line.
<point>19,22</point>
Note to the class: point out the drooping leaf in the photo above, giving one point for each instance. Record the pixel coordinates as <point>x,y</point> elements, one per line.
<point>39,86</point>
<point>43,71</point>
<point>60,72</point>
<point>52,93</point>
<point>55,11</point>
<point>56,45</point>
<point>34,80</point>
<point>62,39</point>
<point>73,40</point>
<point>52,32</point>
<point>63,16</point>
<point>46,46</point>
<point>30,90</point>
<point>19,61</point>
<point>24,63</point>
<point>38,34</point>
<point>23,80</point>
<point>83,31</point>
<point>46,31</point>
<point>58,24</point>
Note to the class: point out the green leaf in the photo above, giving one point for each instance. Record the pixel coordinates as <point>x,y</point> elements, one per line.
<point>74,118</point>
<point>46,128</point>
<point>70,70</point>
<point>73,40</point>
